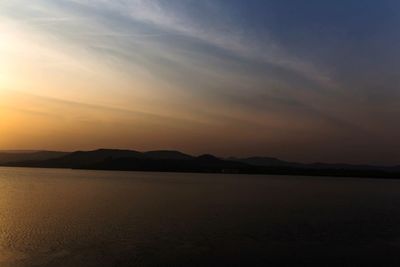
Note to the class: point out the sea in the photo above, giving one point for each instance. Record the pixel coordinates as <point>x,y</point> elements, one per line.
<point>74,218</point>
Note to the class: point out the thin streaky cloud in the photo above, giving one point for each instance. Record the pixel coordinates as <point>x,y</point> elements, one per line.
<point>266,66</point>
<point>234,40</point>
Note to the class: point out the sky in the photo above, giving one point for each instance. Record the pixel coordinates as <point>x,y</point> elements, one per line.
<point>304,80</point>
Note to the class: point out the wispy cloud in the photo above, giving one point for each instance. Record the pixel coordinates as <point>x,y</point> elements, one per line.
<point>224,35</point>
<point>138,33</point>
<point>197,63</point>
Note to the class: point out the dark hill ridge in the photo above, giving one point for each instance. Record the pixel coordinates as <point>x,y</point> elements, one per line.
<point>17,156</point>
<point>89,159</point>
<point>175,161</point>
<point>266,161</point>
<point>274,162</point>
<point>166,154</point>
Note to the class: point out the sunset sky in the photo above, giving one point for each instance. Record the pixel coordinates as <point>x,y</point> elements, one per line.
<point>304,80</point>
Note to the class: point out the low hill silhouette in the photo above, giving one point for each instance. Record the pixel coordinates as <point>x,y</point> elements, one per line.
<point>175,161</point>
<point>18,156</point>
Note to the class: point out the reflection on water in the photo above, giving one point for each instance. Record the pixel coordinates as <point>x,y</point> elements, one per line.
<point>92,218</point>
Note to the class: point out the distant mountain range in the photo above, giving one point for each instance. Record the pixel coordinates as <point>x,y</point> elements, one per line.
<point>23,155</point>
<point>175,161</point>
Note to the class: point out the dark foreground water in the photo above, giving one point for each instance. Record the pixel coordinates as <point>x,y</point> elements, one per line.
<point>92,218</point>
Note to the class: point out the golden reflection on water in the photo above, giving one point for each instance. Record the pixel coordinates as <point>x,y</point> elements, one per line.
<point>71,218</point>
<point>40,210</point>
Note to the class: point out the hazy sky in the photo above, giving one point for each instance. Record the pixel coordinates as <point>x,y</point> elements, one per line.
<point>305,80</point>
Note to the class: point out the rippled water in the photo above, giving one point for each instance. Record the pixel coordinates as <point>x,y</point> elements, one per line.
<point>93,218</point>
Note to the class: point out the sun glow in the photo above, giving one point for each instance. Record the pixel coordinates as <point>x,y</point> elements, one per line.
<point>4,62</point>
<point>10,52</point>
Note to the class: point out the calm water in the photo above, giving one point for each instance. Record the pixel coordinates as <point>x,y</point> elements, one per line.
<point>93,218</point>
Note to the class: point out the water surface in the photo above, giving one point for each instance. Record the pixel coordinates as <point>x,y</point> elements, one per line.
<point>53,217</point>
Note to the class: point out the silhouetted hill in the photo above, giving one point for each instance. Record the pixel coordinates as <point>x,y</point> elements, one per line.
<point>167,154</point>
<point>209,158</point>
<point>15,156</point>
<point>175,161</point>
<point>79,159</point>
<point>274,162</point>
<point>266,161</point>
